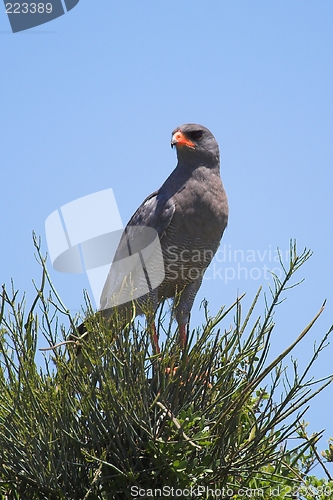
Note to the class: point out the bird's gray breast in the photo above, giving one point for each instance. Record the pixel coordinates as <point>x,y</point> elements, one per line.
<point>194,234</point>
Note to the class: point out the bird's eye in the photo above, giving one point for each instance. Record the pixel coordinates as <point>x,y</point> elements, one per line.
<point>196,135</point>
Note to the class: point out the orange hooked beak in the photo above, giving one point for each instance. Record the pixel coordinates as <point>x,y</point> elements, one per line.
<point>179,139</point>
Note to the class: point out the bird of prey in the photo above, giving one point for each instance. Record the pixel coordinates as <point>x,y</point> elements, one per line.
<point>172,236</point>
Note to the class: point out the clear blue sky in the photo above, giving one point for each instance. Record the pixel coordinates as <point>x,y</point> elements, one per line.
<point>89,101</point>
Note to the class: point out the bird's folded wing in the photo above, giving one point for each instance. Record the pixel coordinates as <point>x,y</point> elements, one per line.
<point>139,246</point>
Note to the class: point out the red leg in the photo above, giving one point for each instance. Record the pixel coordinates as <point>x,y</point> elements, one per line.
<point>155,339</point>
<point>182,336</point>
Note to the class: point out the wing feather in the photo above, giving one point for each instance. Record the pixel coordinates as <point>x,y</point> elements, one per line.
<point>150,220</point>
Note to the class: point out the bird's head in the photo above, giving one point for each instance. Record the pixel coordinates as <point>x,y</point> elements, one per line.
<point>196,142</point>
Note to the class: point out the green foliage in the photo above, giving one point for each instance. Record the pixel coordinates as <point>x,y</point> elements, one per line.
<point>217,416</point>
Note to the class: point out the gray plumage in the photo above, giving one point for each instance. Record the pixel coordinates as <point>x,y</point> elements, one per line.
<point>189,213</point>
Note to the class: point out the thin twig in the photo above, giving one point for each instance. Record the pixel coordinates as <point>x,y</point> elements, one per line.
<point>65,342</point>
<point>178,425</point>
